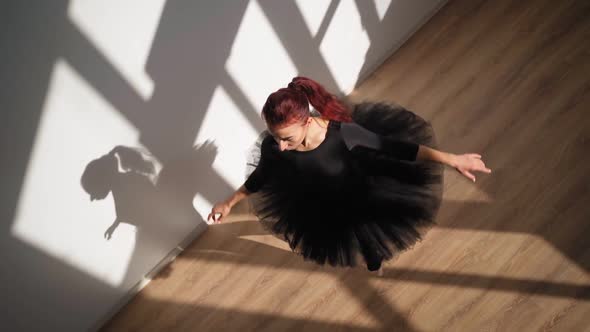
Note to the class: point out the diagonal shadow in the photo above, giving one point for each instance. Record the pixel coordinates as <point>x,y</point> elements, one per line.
<point>297,40</point>
<point>230,234</point>
<point>319,36</point>
<point>207,316</point>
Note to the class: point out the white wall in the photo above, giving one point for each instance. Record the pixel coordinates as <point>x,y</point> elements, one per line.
<point>180,81</point>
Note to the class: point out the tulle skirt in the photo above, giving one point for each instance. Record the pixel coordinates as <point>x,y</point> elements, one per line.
<point>382,212</point>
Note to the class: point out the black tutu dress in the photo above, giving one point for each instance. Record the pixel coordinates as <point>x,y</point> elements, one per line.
<point>360,194</point>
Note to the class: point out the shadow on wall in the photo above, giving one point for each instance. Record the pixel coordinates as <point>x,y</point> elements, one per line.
<point>148,197</point>
<point>185,76</point>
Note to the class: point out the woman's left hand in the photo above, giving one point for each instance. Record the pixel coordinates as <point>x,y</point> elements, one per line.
<point>465,163</point>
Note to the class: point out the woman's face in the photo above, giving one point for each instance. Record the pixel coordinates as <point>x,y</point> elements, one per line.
<point>290,137</point>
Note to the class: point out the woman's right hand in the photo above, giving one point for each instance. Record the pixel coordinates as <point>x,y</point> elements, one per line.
<point>222,208</point>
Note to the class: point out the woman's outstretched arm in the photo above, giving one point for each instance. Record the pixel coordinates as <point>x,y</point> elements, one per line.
<point>428,153</point>
<point>255,181</point>
<point>237,196</point>
<point>464,163</point>
<point>224,207</point>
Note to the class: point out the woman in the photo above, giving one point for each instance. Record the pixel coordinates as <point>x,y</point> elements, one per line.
<point>349,183</point>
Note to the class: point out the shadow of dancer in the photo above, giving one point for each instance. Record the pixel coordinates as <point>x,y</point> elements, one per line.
<point>156,199</point>
<point>130,175</point>
<point>125,173</point>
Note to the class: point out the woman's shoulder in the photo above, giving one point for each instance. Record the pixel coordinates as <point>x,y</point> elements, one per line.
<point>355,134</point>
<point>267,142</point>
<point>269,147</point>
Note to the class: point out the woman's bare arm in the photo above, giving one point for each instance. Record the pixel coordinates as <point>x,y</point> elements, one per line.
<point>427,153</point>
<point>237,196</point>
<point>224,207</point>
<point>464,163</point>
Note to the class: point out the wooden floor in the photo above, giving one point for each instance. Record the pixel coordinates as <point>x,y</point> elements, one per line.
<point>507,79</point>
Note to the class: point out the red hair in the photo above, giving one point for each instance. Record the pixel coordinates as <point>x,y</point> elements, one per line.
<point>291,104</point>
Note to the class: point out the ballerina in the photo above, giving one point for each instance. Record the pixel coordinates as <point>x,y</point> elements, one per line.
<point>363,181</point>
